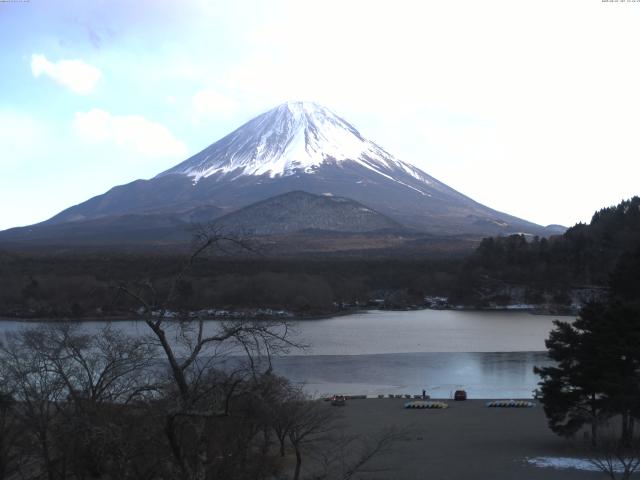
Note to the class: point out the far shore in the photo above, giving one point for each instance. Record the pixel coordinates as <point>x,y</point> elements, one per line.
<point>293,316</point>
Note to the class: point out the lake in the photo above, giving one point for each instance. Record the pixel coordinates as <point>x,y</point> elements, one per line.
<point>491,354</point>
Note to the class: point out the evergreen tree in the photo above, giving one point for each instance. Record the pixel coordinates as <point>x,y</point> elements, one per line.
<point>571,391</point>
<point>625,278</point>
<point>597,371</point>
<point>617,330</point>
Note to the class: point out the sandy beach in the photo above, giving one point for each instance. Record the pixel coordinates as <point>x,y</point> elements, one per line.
<point>465,441</point>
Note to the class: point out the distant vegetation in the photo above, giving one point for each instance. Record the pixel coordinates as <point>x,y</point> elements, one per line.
<point>85,285</point>
<point>539,268</point>
<point>502,270</point>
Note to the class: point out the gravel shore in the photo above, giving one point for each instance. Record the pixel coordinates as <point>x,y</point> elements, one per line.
<point>465,441</point>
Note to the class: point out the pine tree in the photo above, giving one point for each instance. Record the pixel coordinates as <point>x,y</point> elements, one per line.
<point>597,371</point>
<point>571,391</point>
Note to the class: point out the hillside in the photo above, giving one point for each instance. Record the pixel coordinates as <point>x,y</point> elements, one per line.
<point>299,211</point>
<point>585,256</point>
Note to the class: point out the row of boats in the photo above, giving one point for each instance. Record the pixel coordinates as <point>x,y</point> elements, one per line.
<point>419,404</point>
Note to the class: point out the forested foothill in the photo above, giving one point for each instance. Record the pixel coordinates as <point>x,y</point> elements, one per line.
<point>560,273</point>
<point>572,268</point>
<point>84,285</point>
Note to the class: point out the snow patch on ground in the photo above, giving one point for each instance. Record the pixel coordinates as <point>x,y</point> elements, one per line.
<point>564,463</point>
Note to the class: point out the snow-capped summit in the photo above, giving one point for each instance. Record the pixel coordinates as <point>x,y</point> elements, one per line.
<point>293,137</point>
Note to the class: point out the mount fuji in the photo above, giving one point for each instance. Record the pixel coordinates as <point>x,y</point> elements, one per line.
<point>295,147</point>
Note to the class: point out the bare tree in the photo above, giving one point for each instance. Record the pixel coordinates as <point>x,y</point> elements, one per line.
<point>255,338</point>
<point>280,416</point>
<point>10,434</point>
<point>192,351</point>
<point>39,395</point>
<point>616,457</point>
<point>192,400</point>
<point>69,391</point>
<point>309,422</point>
<point>312,426</point>
<point>108,367</point>
<point>344,456</point>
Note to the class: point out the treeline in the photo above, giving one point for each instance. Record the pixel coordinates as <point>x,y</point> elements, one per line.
<point>86,284</point>
<point>502,270</point>
<point>585,255</point>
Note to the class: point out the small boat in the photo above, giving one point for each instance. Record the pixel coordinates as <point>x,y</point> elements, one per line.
<point>460,395</point>
<point>511,404</point>
<point>418,404</point>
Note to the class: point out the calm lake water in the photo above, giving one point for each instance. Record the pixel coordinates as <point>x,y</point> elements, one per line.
<point>489,354</point>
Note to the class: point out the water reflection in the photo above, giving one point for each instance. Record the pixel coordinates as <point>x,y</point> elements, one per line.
<point>378,331</point>
<point>382,352</point>
<point>483,375</point>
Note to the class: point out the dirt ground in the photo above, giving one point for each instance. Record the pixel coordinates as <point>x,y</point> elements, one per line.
<point>465,441</point>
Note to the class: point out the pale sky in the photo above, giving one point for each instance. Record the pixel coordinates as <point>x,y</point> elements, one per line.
<point>531,108</point>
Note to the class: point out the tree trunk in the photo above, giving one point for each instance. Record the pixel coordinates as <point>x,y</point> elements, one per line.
<point>296,474</point>
<point>3,460</point>
<point>174,444</point>
<point>594,421</point>
<point>626,441</point>
<point>47,457</point>
<point>266,440</point>
<point>178,373</point>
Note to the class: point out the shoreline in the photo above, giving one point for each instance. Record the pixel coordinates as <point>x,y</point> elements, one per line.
<point>465,441</point>
<point>291,316</point>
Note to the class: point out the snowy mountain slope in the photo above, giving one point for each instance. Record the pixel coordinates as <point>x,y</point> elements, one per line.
<point>302,146</point>
<point>298,138</point>
<point>292,137</point>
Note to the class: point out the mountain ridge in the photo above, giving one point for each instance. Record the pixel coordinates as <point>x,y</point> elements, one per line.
<point>301,146</point>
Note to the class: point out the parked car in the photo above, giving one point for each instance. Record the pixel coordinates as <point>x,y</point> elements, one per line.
<point>460,395</point>
<point>338,400</point>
